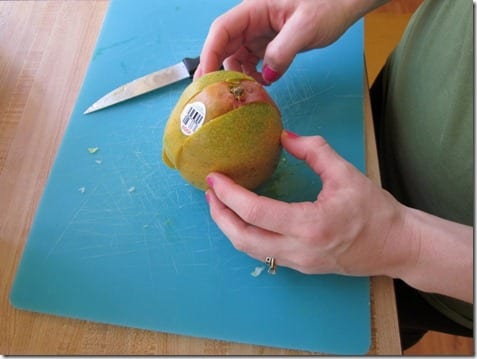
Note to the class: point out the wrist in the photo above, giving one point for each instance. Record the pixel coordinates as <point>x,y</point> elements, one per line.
<point>433,254</point>
<point>406,245</point>
<point>402,248</point>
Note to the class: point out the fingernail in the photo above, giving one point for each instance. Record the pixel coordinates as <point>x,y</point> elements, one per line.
<point>207,196</point>
<point>290,134</point>
<point>269,75</point>
<point>210,182</point>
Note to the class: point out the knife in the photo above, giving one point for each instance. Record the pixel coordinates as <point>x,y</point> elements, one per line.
<point>169,75</point>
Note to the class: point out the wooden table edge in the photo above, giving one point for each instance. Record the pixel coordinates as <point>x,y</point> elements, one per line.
<point>383,304</point>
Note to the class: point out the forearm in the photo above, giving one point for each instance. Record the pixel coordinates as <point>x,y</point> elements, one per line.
<point>359,8</point>
<point>439,255</point>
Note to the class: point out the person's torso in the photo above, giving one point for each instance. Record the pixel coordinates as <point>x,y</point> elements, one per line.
<point>427,133</point>
<point>429,112</point>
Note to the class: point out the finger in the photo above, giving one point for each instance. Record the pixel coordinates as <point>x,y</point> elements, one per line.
<point>243,61</point>
<point>239,58</point>
<point>319,155</point>
<point>281,51</point>
<point>256,242</point>
<point>267,213</point>
<point>247,69</point>
<point>251,70</point>
<point>224,38</point>
<point>233,64</point>
<point>259,243</point>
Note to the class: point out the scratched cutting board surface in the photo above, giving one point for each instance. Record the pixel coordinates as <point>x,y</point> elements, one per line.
<point>120,238</point>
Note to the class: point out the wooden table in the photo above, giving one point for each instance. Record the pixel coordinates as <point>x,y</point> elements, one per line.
<point>45,48</point>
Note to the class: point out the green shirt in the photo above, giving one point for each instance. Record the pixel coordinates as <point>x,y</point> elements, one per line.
<point>426,135</point>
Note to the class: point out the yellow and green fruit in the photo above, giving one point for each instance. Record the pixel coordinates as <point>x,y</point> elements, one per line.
<point>224,122</point>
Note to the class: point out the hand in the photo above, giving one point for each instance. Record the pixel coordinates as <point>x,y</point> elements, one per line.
<point>345,230</point>
<point>275,31</point>
<point>353,227</point>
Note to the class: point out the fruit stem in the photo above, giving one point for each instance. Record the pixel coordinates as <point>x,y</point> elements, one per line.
<point>237,91</point>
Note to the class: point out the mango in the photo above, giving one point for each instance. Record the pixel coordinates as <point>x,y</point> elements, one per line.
<point>224,122</point>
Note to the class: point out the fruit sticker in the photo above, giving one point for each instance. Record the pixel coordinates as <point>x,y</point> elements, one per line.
<point>192,118</point>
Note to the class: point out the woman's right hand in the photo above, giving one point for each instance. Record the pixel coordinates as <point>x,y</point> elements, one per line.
<point>275,31</point>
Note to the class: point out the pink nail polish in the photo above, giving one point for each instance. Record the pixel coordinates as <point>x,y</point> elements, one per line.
<point>291,134</point>
<point>269,75</point>
<point>210,182</point>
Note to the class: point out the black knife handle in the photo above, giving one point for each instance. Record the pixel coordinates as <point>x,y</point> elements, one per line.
<point>191,64</point>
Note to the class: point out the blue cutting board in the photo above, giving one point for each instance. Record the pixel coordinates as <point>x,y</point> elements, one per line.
<point>120,238</point>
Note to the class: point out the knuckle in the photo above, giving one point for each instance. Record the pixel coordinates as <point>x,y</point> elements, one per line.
<point>218,23</point>
<point>252,214</point>
<point>314,148</point>
<point>319,141</point>
<point>311,235</point>
<point>240,244</point>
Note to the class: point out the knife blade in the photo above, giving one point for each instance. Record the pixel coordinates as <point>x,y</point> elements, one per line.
<point>169,75</point>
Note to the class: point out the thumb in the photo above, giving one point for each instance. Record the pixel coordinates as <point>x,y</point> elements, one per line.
<point>281,51</point>
<point>318,154</point>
